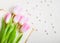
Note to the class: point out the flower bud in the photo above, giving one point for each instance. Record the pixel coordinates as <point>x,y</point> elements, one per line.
<point>7,17</point>
<point>17,10</point>
<point>25,27</point>
<point>17,18</point>
<point>24,20</point>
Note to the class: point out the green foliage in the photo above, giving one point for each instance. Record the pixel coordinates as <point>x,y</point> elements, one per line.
<point>8,32</point>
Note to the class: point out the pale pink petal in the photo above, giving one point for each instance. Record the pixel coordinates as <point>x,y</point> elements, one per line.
<point>7,17</point>
<point>25,27</point>
<point>24,20</point>
<point>17,18</point>
<point>17,10</point>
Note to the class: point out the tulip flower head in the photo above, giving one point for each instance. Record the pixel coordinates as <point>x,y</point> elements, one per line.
<point>7,17</point>
<point>18,18</point>
<point>24,20</point>
<point>17,10</point>
<point>25,27</point>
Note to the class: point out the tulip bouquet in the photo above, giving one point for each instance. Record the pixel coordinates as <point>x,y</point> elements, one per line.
<point>11,24</point>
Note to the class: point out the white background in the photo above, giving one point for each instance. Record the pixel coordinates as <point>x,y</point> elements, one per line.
<point>44,16</point>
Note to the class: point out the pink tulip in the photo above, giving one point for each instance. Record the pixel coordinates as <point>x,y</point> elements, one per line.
<point>17,18</point>
<point>7,17</point>
<point>24,20</point>
<point>25,27</point>
<point>17,10</point>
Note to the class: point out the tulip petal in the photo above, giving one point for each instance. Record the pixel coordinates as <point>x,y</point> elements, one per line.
<point>17,10</point>
<point>24,20</point>
<point>7,17</point>
<point>17,18</point>
<point>25,27</point>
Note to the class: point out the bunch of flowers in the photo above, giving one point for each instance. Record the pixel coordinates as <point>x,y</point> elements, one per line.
<point>11,24</point>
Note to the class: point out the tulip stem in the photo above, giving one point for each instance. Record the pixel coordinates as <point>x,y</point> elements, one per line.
<point>29,35</point>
